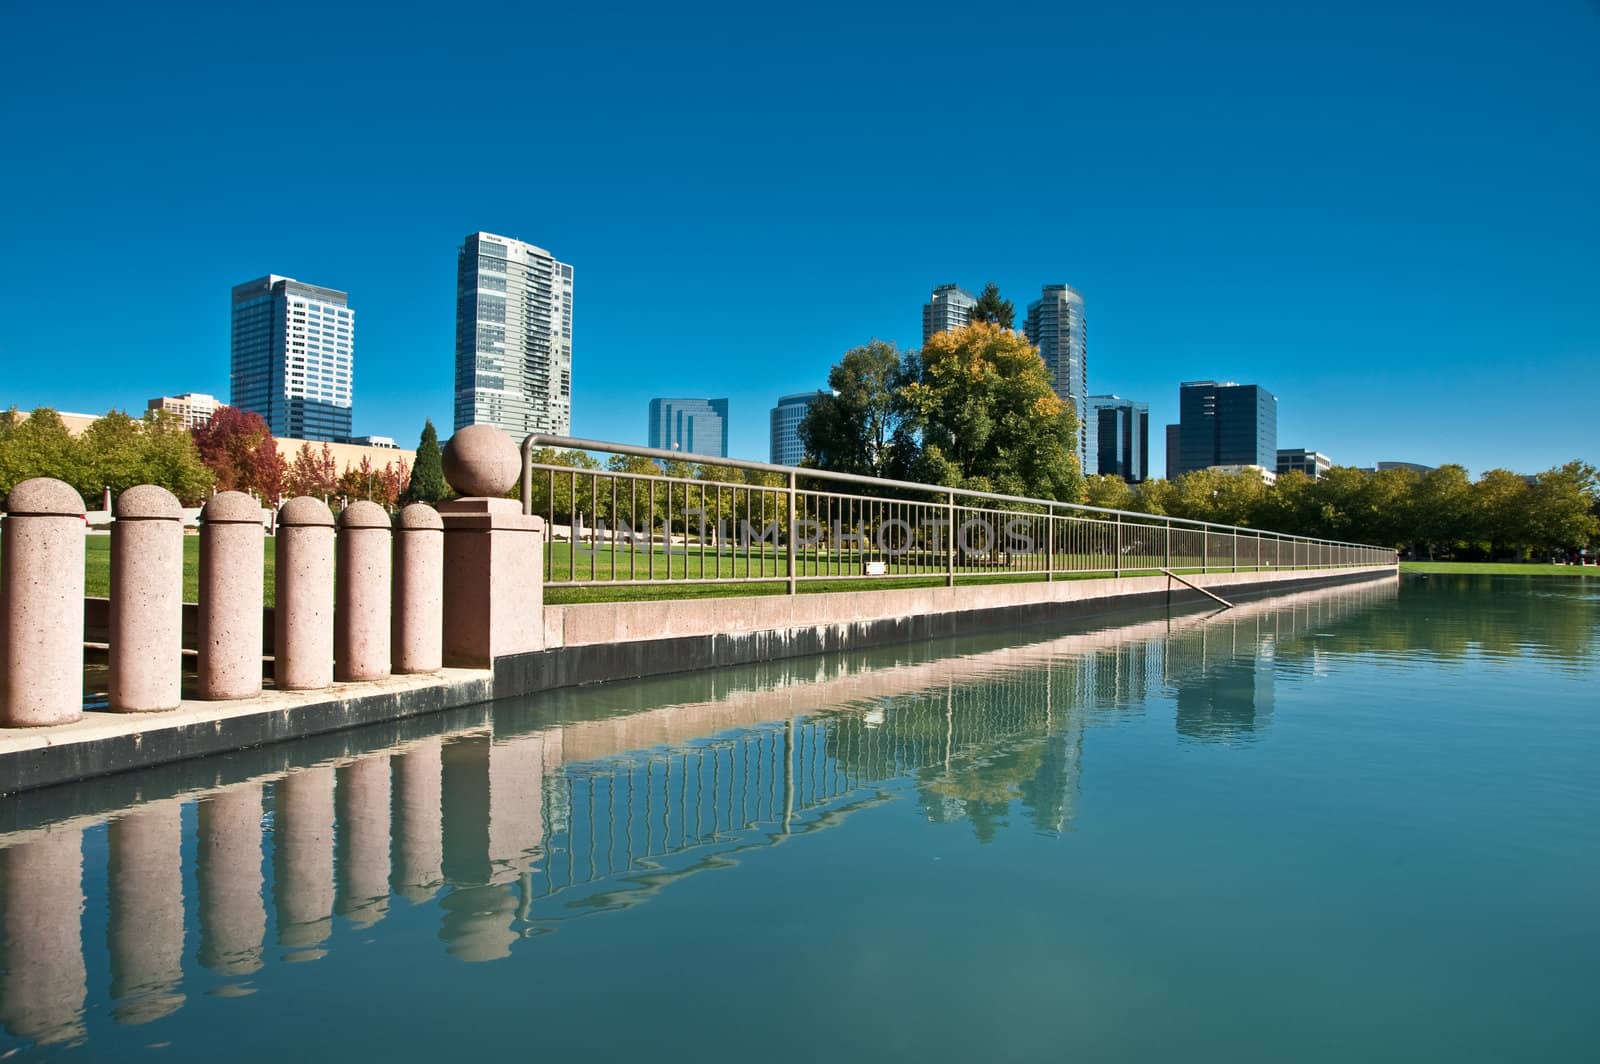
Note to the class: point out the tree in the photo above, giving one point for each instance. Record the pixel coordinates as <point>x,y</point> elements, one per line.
<point>1561,509</point>
<point>1441,510</point>
<point>860,427</point>
<point>988,419</point>
<point>1109,491</point>
<point>1499,506</point>
<point>171,458</point>
<point>313,473</point>
<point>113,455</point>
<point>239,450</point>
<point>427,475</point>
<point>990,309</point>
<point>38,445</point>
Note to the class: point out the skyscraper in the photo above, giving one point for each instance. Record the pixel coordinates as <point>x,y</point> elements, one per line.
<point>1174,451</point>
<point>949,307</point>
<point>1055,326</point>
<point>693,426</point>
<point>1223,423</point>
<point>293,348</point>
<point>1119,438</point>
<point>785,447</point>
<point>513,337</point>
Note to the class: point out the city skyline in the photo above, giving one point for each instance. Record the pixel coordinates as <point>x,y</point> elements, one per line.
<point>1223,232</point>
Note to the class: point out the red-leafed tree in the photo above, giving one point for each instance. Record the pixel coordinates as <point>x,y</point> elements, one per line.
<point>239,450</point>
<point>313,473</point>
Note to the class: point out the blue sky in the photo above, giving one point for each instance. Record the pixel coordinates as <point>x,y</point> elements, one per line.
<point>1386,213</point>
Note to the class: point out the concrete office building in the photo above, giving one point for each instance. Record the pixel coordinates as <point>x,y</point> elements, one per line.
<point>1313,464</point>
<point>785,447</point>
<point>1056,327</point>
<point>194,409</point>
<point>692,426</point>
<point>293,351</point>
<point>1119,438</point>
<point>949,307</point>
<point>1226,424</point>
<point>513,337</point>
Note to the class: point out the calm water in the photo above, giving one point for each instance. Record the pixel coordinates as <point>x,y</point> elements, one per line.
<point>1356,824</point>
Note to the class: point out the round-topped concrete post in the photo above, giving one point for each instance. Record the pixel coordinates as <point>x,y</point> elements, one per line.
<point>302,616</point>
<point>493,554</point>
<point>361,634</point>
<point>41,605</point>
<point>418,612</point>
<point>230,627</point>
<point>146,636</point>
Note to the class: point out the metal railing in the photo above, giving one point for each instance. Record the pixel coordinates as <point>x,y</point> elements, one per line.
<point>747,521</point>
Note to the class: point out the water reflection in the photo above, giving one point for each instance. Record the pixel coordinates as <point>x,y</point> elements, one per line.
<point>513,820</point>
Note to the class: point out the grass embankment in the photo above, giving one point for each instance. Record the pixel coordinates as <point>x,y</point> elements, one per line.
<point>739,574</point>
<point>1500,569</point>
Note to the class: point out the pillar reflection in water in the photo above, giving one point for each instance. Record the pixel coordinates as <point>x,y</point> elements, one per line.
<point>43,982</point>
<point>233,914</point>
<point>362,805</point>
<point>145,933</point>
<point>493,827</point>
<point>302,876</point>
<point>418,829</point>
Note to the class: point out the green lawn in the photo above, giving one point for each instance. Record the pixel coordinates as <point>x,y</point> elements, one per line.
<point>97,567</point>
<point>1500,568</point>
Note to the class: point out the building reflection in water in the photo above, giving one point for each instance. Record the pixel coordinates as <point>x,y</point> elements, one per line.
<point>515,819</point>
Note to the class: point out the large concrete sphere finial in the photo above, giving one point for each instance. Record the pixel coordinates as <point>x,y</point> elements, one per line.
<point>481,460</point>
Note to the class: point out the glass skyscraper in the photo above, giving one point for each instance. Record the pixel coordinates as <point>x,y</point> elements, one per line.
<point>785,446</point>
<point>292,354</point>
<point>1055,326</point>
<point>513,337</point>
<point>693,426</point>
<point>1119,438</point>
<point>949,307</point>
<point>1227,424</point>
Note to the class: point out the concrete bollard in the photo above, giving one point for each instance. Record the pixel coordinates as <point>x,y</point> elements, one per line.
<point>302,624</point>
<point>146,656</point>
<point>361,632</point>
<point>41,605</point>
<point>418,626</point>
<point>231,563</point>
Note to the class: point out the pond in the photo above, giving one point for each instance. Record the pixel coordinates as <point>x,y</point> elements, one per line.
<point>1352,823</point>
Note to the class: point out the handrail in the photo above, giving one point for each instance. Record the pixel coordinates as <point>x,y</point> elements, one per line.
<point>575,443</point>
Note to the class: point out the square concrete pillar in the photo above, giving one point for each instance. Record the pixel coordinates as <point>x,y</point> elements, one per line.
<point>493,581</point>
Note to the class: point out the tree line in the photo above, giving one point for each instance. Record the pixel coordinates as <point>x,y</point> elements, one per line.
<point>235,451</point>
<point>975,409</point>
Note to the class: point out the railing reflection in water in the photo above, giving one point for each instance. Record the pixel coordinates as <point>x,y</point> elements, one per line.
<point>523,818</point>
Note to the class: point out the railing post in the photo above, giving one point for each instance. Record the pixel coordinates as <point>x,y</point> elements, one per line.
<point>950,574</point>
<point>1235,537</point>
<point>794,583</point>
<point>1167,548</point>
<point>1205,548</point>
<point>1050,545</point>
<point>1116,564</point>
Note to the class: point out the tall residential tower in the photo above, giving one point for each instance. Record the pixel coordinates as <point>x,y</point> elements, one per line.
<point>1055,326</point>
<point>949,307</point>
<point>293,348</point>
<point>513,337</point>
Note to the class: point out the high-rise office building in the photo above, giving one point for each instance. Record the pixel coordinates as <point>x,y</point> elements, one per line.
<point>1119,438</point>
<point>785,447</point>
<point>1055,326</point>
<point>949,307</point>
<point>513,337</point>
<point>1174,451</point>
<point>293,348</point>
<point>194,409</point>
<point>1227,424</point>
<point>693,426</point>
<point>1313,464</point>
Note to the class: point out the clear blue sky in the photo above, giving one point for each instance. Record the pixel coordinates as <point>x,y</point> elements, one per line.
<point>1388,214</point>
